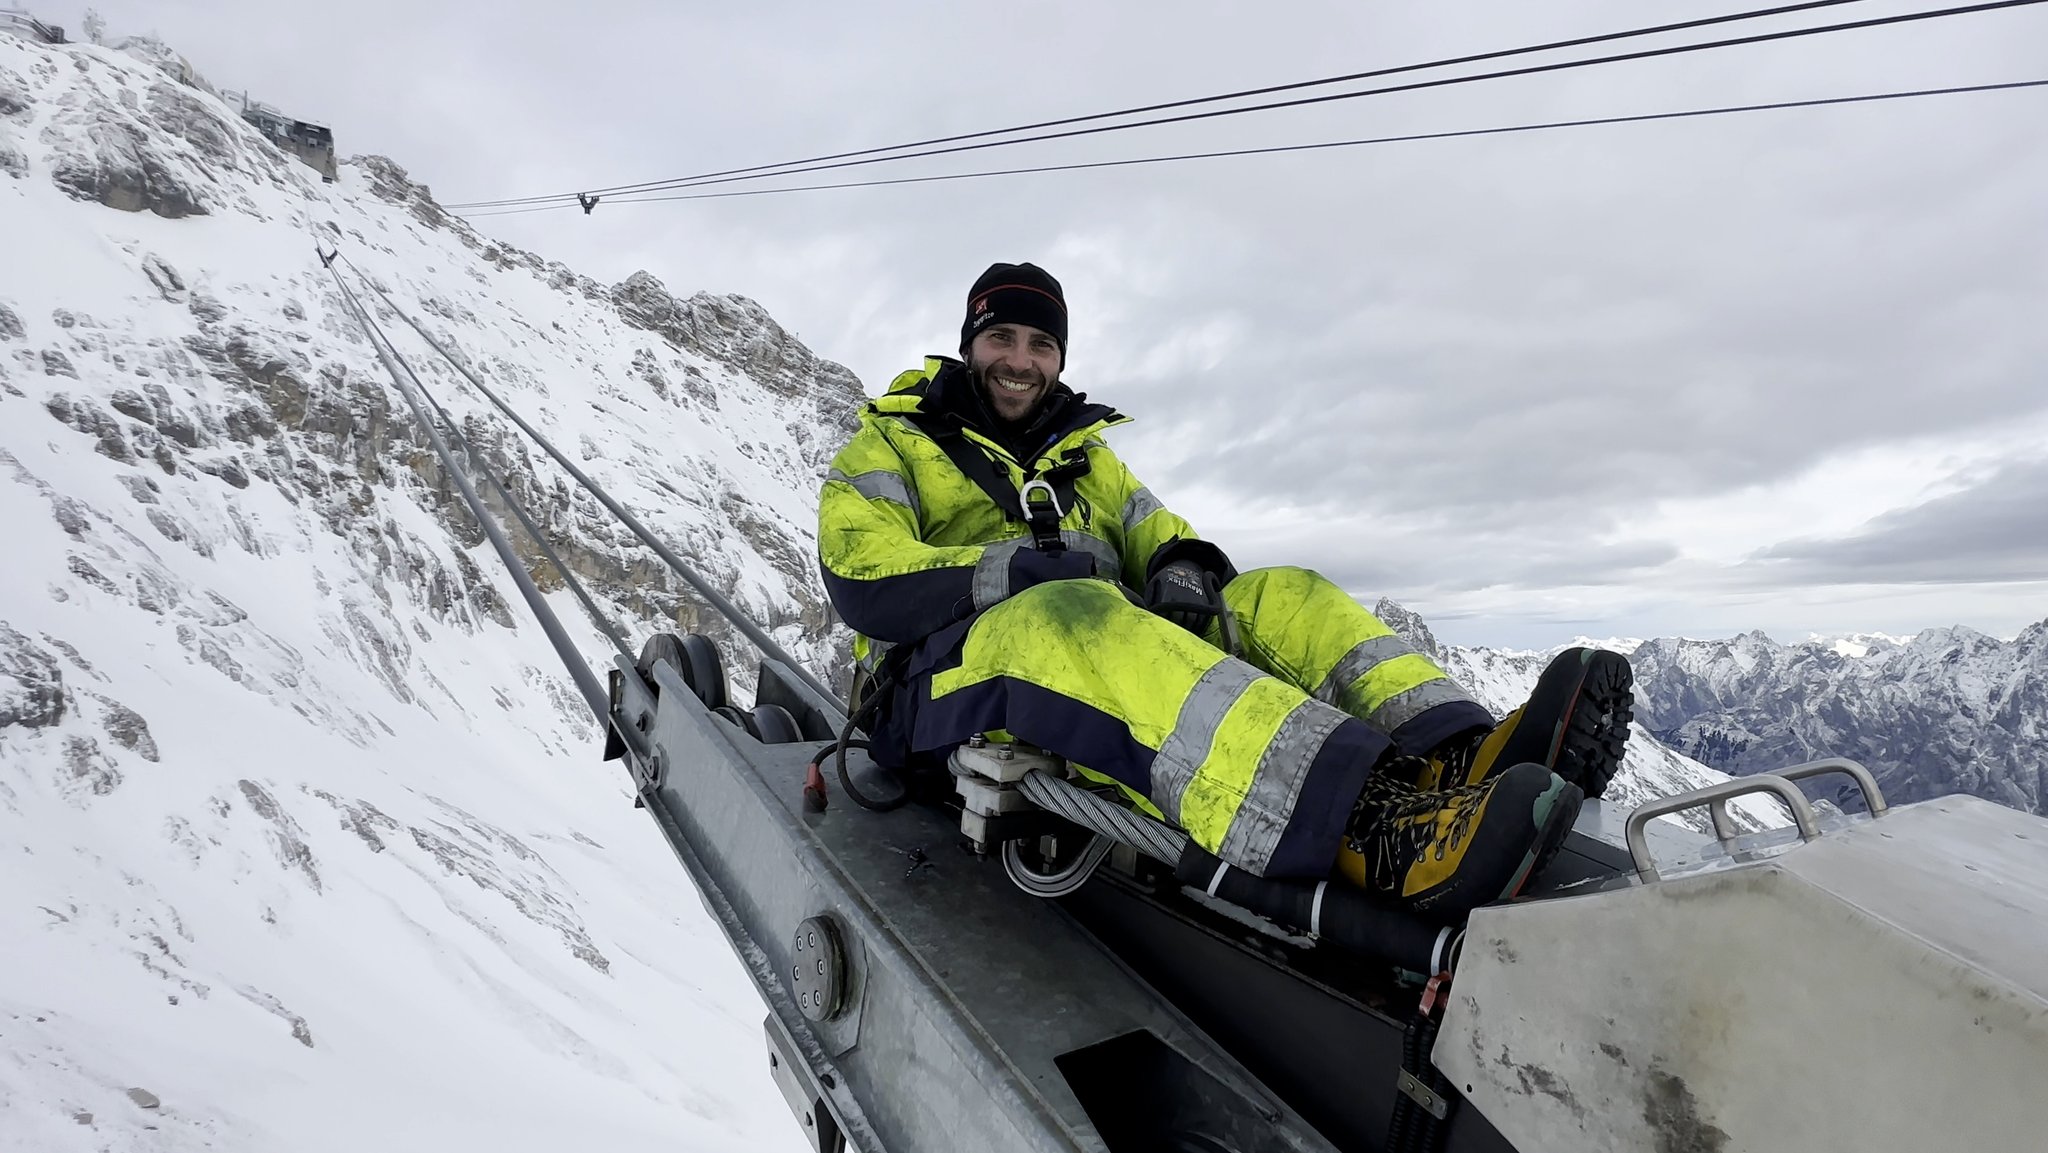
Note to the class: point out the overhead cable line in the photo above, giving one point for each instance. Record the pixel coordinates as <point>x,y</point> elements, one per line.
<point>1402,139</point>
<point>594,694</point>
<point>586,197</point>
<point>725,607</point>
<point>1558,66</point>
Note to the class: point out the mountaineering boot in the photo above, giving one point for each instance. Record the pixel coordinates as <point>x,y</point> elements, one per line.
<point>1575,724</point>
<point>1445,853</point>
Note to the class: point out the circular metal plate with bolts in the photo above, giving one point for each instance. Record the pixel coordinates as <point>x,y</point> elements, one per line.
<point>818,969</point>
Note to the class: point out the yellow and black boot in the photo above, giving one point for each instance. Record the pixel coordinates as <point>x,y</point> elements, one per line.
<point>1444,853</point>
<point>1575,724</point>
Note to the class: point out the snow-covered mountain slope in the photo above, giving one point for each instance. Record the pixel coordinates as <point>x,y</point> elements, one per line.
<point>1950,710</point>
<point>1502,679</point>
<point>307,846</point>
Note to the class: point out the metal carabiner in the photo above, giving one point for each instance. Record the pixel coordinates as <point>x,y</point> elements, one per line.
<point>1052,497</point>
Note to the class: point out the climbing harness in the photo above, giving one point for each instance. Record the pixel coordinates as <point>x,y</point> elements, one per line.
<point>1047,493</point>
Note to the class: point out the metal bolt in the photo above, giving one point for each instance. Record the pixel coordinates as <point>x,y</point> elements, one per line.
<point>1005,752</point>
<point>977,742</point>
<point>821,968</point>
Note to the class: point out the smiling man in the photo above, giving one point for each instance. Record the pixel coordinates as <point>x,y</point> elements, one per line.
<point>1005,572</point>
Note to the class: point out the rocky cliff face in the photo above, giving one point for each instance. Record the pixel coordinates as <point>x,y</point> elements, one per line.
<point>293,795</point>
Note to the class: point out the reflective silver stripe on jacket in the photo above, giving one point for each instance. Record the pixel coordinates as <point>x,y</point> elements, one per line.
<point>1141,505</point>
<point>1194,731</point>
<point>1255,831</point>
<point>992,571</point>
<point>1108,565</point>
<point>1404,707</point>
<point>881,484</point>
<point>1363,658</point>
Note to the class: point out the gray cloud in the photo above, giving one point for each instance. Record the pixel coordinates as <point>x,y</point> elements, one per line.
<point>1995,531</point>
<point>1464,362</point>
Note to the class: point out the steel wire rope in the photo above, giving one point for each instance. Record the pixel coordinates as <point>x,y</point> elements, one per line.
<point>1154,839</point>
<point>731,612</point>
<point>1644,54</point>
<point>572,198</point>
<point>1327,144</point>
<point>594,694</point>
<point>526,521</point>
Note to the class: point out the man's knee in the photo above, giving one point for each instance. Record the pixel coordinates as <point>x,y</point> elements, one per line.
<point>1278,580</point>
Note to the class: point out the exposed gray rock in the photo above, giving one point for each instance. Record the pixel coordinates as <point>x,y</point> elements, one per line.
<point>108,159</point>
<point>286,838</point>
<point>1410,627</point>
<point>168,283</point>
<point>181,113</point>
<point>143,489</point>
<point>31,683</point>
<point>501,863</point>
<point>14,98</point>
<point>10,325</point>
<point>85,415</point>
<point>87,770</point>
<point>301,1032</point>
<point>83,570</point>
<point>127,728</point>
<point>738,333</point>
<point>55,363</point>
<point>389,182</point>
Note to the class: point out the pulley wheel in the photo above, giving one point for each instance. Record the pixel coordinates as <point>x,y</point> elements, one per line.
<point>702,670</point>
<point>739,719</point>
<point>694,658</point>
<point>773,725</point>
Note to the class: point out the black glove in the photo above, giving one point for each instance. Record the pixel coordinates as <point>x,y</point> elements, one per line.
<point>1186,594</point>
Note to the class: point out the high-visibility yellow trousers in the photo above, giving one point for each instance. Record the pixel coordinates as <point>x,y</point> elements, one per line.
<point>1260,759</point>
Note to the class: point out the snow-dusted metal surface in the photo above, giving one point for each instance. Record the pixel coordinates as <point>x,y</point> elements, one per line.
<point>1882,988</point>
<point>972,1006</point>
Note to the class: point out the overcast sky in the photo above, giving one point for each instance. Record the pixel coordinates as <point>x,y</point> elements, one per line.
<point>1786,370</point>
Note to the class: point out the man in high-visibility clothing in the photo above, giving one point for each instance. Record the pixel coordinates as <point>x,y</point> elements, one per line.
<point>1006,572</point>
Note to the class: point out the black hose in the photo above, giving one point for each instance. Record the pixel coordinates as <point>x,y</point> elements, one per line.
<point>869,707</point>
<point>1401,1127</point>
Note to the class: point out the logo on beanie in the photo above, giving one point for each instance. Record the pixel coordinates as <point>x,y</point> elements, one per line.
<point>981,305</point>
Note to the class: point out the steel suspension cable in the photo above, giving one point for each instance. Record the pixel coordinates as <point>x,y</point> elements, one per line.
<point>533,530</point>
<point>1690,113</point>
<point>594,694</point>
<point>569,198</point>
<point>726,608</point>
<point>1415,86</point>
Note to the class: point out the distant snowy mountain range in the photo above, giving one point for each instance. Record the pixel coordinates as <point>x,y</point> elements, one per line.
<point>309,846</point>
<point>1950,710</point>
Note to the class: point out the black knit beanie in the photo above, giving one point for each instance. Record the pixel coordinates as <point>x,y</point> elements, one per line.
<point>1016,294</point>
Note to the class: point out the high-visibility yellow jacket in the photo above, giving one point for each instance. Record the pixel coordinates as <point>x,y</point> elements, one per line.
<point>910,544</point>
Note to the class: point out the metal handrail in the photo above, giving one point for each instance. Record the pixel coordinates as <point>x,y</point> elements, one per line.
<point>1716,798</point>
<point>1872,798</point>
